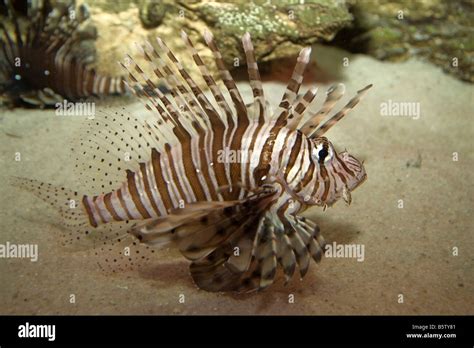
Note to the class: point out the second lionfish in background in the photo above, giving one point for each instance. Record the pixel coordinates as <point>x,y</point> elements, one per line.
<point>237,221</point>
<point>44,60</point>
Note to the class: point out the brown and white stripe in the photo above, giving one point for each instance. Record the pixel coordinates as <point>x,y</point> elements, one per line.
<point>189,192</point>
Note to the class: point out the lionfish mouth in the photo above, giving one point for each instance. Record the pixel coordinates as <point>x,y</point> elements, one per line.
<point>360,180</point>
<point>346,190</point>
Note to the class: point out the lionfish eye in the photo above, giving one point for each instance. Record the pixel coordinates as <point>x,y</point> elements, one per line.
<point>322,154</point>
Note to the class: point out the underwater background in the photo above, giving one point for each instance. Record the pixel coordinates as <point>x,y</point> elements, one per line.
<point>413,215</point>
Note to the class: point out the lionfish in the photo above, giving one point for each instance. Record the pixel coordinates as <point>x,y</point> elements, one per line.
<point>40,65</point>
<point>237,220</point>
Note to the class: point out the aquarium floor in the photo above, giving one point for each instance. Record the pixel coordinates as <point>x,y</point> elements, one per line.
<point>408,251</point>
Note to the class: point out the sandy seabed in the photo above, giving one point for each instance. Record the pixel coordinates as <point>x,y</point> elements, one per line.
<point>409,251</point>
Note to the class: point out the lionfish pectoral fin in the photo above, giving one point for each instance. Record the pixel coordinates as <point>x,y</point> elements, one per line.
<point>239,260</point>
<point>306,242</point>
<point>163,231</point>
<point>210,274</point>
<point>181,227</point>
<point>198,228</point>
<point>223,268</point>
<point>286,257</point>
<point>249,261</point>
<point>244,263</point>
<point>231,265</point>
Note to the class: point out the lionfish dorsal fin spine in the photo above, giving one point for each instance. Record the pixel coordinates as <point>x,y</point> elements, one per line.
<point>283,111</point>
<point>211,83</point>
<point>295,117</point>
<point>338,116</point>
<point>241,109</point>
<point>171,112</point>
<point>182,96</point>
<point>137,89</point>
<point>203,107</point>
<point>333,94</point>
<point>185,112</point>
<point>254,76</point>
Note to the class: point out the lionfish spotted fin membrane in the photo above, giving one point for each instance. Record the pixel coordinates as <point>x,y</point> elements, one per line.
<point>40,63</point>
<point>236,218</point>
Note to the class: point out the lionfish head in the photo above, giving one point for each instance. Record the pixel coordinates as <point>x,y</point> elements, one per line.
<point>341,172</point>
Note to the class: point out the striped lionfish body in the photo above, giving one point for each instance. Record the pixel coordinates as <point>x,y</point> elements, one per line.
<point>223,182</point>
<point>40,64</point>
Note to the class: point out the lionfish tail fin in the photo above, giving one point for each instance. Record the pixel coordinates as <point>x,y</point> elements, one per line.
<point>112,248</point>
<point>74,224</point>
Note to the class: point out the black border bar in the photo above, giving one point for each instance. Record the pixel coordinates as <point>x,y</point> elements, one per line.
<point>288,330</point>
